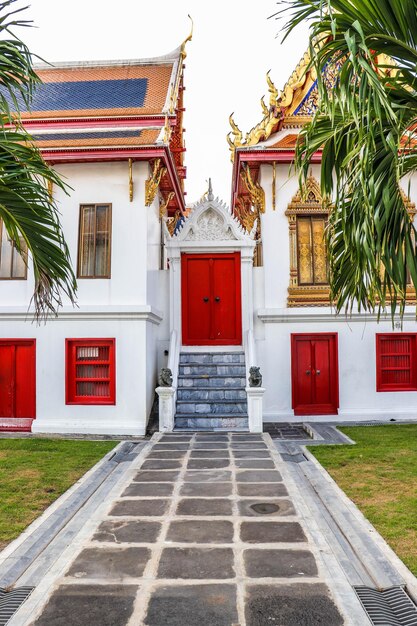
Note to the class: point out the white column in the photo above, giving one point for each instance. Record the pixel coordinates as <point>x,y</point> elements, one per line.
<point>166,408</point>
<point>255,402</point>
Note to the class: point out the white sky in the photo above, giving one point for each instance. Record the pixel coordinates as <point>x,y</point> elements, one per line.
<point>234,45</point>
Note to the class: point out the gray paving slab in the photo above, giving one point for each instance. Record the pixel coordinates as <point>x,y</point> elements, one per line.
<point>295,605</point>
<point>262,490</point>
<point>267,508</point>
<point>140,508</point>
<point>208,463</point>
<point>198,507</point>
<point>272,532</point>
<point>196,605</point>
<point>148,489</point>
<point>95,605</point>
<point>279,563</point>
<point>196,563</point>
<point>200,531</point>
<point>127,531</point>
<point>206,490</point>
<point>110,563</point>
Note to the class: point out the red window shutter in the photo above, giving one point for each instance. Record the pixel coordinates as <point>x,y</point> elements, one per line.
<point>396,362</point>
<point>90,371</point>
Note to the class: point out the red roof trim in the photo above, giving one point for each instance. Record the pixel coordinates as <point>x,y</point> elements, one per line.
<point>267,155</point>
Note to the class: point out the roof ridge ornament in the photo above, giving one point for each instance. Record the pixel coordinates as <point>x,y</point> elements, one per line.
<point>210,196</point>
<point>189,38</point>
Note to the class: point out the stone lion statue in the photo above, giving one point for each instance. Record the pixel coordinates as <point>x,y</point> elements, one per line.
<point>165,377</point>
<point>255,377</point>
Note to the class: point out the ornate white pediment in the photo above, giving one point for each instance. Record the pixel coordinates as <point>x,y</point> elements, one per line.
<point>211,220</point>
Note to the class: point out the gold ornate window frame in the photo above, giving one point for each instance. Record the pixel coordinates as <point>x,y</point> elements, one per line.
<point>309,202</point>
<point>306,202</point>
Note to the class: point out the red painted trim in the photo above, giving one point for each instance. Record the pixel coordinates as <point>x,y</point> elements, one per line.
<point>185,293</point>
<point>70,371</point>
<point>316,409</point>
<point>380,385</point>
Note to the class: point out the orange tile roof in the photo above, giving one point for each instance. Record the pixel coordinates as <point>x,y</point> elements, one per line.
<point>99,139</point>
<point>289,142</point>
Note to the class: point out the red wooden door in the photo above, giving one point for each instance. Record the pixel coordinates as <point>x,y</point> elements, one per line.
<point>211,299</point>
<point>17,378</point>
<point>315,381</point>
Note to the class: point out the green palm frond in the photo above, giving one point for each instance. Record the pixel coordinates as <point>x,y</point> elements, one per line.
<point>26,208</point>
<point>364,128</point>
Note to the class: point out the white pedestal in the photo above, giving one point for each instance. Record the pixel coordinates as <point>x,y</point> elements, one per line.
<point>166,408</point>
<point>255,400</point>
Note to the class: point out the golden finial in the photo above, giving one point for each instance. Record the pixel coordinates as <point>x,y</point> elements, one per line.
<point>272,90</point>
<point>164,206</point>
<point>189,38</point>
<point>167,130</point>
<point>265,109</point>
<point>237,133</point>
<point>130,181</point>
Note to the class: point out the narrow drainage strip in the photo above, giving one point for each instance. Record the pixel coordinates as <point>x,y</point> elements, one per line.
<point>11,601</point>
<point>389,607</point>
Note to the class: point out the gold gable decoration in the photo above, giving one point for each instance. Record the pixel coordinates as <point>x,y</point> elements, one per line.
<point>152,183</point>
<point>308,201</point>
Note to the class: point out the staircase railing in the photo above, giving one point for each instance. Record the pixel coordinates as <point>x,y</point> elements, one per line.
<point>254,389</point>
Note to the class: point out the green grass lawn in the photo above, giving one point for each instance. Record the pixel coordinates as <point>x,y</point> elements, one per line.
<point>380,475</point>
<point>34,472</point>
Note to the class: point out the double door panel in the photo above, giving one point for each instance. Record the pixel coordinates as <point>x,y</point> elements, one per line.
<point>211,299</point>
<point>17,378</point>
<point>315,374</point>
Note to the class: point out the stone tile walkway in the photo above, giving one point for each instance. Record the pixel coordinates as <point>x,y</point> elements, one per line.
<point>204,535</point>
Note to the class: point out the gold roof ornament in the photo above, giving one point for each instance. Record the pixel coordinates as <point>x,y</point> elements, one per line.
<point>189,38</point>
<point>256,193</point>
<point>265,109</point>
<point>163,208</point>
<point>273,98</point>
<point>410,206</point>
<point>152,183</point>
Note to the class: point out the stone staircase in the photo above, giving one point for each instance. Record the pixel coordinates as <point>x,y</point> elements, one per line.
<point>211,391</point>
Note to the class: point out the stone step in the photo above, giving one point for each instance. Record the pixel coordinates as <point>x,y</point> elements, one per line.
<point>209,422</point>
<point>211,357</point>
<point>222,408</point>
<point>208,393</point>
<point>214,380</point>
<point>206,369</point>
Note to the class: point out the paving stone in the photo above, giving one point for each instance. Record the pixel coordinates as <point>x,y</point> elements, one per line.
<point>149,489</point>
<point>270,508</point>
<point>127,531</point>
<point>211,438</point>
<point>263,476</point>
<point>175,438</point>
<point>200,531</point>
<point>209,476</point>
<point>166,454</point>
<point>290,605</point>
<point>262,490</point>
<point>240,438</point>
<point>170,446</point>
<point>95,605</point>
<point>279,563</point>
<point>255,463</point>
<point>271,532</point>
<point>210,506</point>
<point>208,463</point>
<point>196,563</point>
<point>249,445</point>
<point>153,464</point>
<point>155,476</point>
<point>210,454</point>
<point>193,605</point>
<point>210,446</point>
<point>110,563</point>
<point>251,454</point>
<point>206,490</point>
<point>140,508</point>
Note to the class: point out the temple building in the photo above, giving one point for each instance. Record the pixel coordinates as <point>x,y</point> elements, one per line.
<point>222,313</point>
